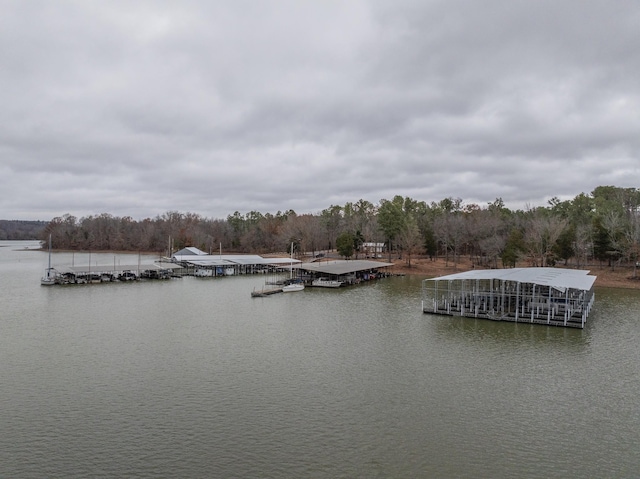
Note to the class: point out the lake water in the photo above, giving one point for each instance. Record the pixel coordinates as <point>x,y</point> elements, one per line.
<point>194,378</point>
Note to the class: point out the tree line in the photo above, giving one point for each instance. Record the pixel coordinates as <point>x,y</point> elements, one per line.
<point>602,226</point>
<point>21,230</point>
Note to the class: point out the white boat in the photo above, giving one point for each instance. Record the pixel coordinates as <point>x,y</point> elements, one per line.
<point>203,272</point>
<point>293,286</point>
<point>49,277</point>
<point>127,276</point>
<point>326,283</point>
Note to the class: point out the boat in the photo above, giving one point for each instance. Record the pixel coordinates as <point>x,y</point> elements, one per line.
<point>326,283</point>
<point>293,285</point>
<point>49,277</point>
<point>127,275</point>
<point>106,278</point>
<point>203,272</point>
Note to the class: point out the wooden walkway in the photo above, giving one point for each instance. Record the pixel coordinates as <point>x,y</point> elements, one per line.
<point>265,292</point>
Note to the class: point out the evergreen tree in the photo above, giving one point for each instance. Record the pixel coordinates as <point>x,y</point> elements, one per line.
<point>344,244</point>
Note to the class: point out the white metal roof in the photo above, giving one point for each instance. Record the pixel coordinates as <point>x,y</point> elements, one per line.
<point>343,266</point>
<point>558,278</point>
<point>109,268</point>
<point>232,259</point>
<point>167,265</point>
<point>208,261</point>
<point>190,251</point>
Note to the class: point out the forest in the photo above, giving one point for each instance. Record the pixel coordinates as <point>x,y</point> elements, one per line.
<point>603,226</point>
<point>21,230</point>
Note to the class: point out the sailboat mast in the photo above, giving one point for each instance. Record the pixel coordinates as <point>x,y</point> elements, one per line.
<point>49,267</point>
<point>291,263</point>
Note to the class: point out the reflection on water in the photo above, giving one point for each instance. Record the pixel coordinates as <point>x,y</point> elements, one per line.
<point>194,378</point>
<point>513,337</point>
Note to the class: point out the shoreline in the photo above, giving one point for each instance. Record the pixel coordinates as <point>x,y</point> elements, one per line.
<point>620,277</point>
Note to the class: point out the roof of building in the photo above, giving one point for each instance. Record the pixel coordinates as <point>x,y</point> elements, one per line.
<point>231,260</point>
<point>558,278</point>
<point>339,267</point>
<point>167,265</point>
<point>190,251</point>
<point>110,268</point>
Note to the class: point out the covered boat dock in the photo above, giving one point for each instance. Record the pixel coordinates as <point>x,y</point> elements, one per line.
<point>344,271</point>
<point>198,263</point>
<point>108,273</point>
<point>551,296</point>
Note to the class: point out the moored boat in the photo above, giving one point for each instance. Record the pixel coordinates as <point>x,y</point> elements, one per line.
<point>49,277</point>
<point>292,287</point>
<point>127,276</point>
<point>326,283</point>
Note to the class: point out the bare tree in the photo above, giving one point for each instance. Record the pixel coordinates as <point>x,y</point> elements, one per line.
<point>306,230</point>
<point>409,239</point>
<point>450,231</point>
<point>486,231</point>
<point>541,233</point>
<point>583,243</point>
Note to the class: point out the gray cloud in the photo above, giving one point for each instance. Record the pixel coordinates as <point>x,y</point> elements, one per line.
<point>138,108</point>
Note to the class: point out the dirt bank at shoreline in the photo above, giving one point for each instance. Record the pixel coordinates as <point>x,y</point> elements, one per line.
<point>618,278</point>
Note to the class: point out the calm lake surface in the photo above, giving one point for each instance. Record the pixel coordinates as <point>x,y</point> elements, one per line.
<point>194,378</point>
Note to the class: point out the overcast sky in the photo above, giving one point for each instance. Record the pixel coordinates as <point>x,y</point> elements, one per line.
<point>136,108</point>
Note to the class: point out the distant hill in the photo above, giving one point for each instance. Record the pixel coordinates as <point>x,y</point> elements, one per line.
<point>21,230</point>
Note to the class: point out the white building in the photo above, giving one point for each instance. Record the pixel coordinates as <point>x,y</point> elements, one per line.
<point>372,250</point>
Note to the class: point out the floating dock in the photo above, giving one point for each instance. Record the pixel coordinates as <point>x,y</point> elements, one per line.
<point>548,296</point>
<point>110,273</point>
<point>261,293</point>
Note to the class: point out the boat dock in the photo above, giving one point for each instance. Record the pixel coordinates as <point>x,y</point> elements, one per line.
<point>261,293</point>
<point>336,273</point>
<point>91,274</point>
<point>548,296</point>
<point>193,262</point>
